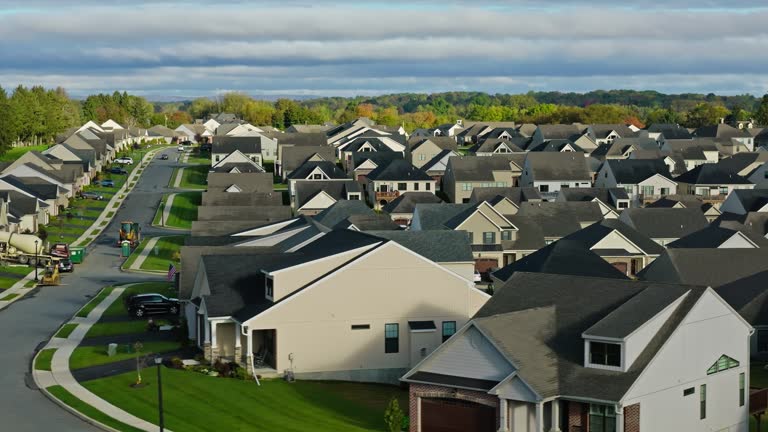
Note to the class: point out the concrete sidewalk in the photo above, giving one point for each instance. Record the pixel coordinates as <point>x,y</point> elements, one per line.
<point>144,253</point>
<point>61,375</point>
<point>19,288</point>
<point>177,180</point>
<point>167,209</point>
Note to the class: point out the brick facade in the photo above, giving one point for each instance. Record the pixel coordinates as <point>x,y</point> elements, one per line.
<point>632,418</point>
<point>417,391</point>
<point>578,417</point>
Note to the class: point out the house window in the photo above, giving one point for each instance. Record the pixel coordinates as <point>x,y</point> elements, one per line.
<point>253,158</point>
<point>391,338</point>
<point>449,329</point>
<point>703,401</point>
<point>765,174</point>
<point>361,326</point>
<point>428,187</point>
<point>646,190</point>
<point>415,186</point>
<point>506,235</point>
<point>489,238</point>
<point>317,176</point>
<point>354,197</point>
<point>602,418</point>
<point>564,186</point>
<point>664,191</point>
<point>402,186</point>
<point>723,190</point>
<point>623,204</point>
<point>742,383</point>
<point>722,364</point>
<point>422,157</point>
<point>218,158</point>
<point>471,237</point>
<point>543,188</point>
<point>606,354</point>
<point>466,187</point>
<point>689,391</point>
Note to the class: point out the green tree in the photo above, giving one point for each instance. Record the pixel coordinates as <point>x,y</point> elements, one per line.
<point>705,114</point>
<point>394,416</point>
<point>761,116</point>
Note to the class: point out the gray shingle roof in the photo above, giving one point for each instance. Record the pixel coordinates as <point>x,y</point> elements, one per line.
<point>398,170</point>
<point>711,174</point>
<point>665,222</point>
<point>537,321</point>
<point>434,216</point>
<point>437,246</point>
<point>714,236</point>
<point>407,202</point>
<point>708,267</point>
<point>748,296</point>
<point>292,157</point>
<point>592,234</point>
<point>340,211</point>
<point>338,190</point>
<point>563,257</point>
<point>475,168</point>
<point>329,168</point>
<point>634,171</point>
<point>558,166</point>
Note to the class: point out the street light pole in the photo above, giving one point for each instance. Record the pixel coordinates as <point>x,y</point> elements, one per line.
<point>159,362</point>
<point>36,279</point>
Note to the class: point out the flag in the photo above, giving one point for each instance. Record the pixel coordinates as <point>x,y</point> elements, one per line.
<point>171,271</point>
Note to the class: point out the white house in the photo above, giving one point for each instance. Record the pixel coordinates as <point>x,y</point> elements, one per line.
<point>551,171</point>
<point>644,179</point>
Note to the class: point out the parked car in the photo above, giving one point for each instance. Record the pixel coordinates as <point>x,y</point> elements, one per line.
<point>164,156</point>
<point>140,305</point>
<point>181,148</point>
<point>66,266</point>
<point>478,276</point>
<point>124,160</point>
<point>107,183</point>
<point>117,170</point>
<point>91,195</point>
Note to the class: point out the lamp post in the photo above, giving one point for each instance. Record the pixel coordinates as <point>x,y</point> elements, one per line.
<point>36,279</point>
<point>159,362</point>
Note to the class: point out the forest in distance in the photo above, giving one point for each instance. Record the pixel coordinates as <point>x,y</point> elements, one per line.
<point>36,115</point>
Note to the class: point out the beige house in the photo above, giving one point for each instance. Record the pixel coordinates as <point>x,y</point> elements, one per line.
<point>465,173</point>
<point>333,309</point>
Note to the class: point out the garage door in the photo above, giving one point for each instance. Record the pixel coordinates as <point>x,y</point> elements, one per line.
<point>449,415</point>
<point>620,266</point>
<point>482,265</point>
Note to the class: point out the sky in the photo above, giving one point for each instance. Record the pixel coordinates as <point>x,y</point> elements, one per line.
<point>184,49</point>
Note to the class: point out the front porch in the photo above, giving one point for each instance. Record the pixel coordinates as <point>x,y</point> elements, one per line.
<point>255,350</point>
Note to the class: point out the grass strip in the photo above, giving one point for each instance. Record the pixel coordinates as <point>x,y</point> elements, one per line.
<point>44,358</point>
<point>69,399</point>
<point>94,302</point>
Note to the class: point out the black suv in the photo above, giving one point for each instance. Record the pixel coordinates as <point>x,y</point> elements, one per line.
<point>151,304</point>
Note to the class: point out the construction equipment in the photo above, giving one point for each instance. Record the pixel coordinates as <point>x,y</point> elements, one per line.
<point>23,249</point>
<point>129,231</point>
<point>51,276</point>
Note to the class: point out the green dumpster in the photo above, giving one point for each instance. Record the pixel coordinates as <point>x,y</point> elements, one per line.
<point>77,254</point>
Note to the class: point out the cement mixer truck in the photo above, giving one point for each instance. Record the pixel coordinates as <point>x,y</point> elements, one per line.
<point>23,249</point>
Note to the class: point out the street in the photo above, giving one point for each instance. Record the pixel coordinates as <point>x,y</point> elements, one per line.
<point>27,323</point>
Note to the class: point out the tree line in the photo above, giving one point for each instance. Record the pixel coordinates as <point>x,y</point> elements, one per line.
<point>36,115</point>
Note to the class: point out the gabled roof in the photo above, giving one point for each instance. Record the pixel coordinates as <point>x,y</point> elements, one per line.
<point>398,170</point>
<point>665,222</point>
<point>714,236</point>
<point>514,194</point>
<point>720,130</point>
<point>434,216</point>
<point>593,234</point>
<point>374,222</point>
<point>670,131</point>
<point>438,246</point>
<point>711,174</point>
<point>292,157</point>
<point>607,196</point>
<point>228,144</point>
<point>490,145</point>
<point>439,163</point>
<point>556,145</point>
<point>485,209</point>
<point>378,158</point>
<point>710,267</point>
<point>751,199</point>
<point>560,131</point>
<point>563,257</point>
<point>329,168</point>
<point>634,171</point>
<point>340,211</point>
<point>537,321</point>
<point>748,296</point>
<point>337,190</point>
<point>406,202</point>
<point>603,130</point>
<point>445,143</point>
<point>478,169</point>
<point>558,166</point>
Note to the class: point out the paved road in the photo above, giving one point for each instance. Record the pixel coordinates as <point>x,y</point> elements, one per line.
<point>25,324</point>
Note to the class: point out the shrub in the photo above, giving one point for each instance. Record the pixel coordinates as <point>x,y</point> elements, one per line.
<point>393,416</point>
<point>176,363</point>
<point>224,369</point>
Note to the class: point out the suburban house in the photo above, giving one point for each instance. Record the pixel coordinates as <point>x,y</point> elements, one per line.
<point>662,132</point>
<point>743,201</point>
<point>312,197</point>
<point>578,135</point>
<point>665,225</point>
<point>552,352</point>
<point>437,166</point>
<point>193,132</point>
<point>492,146</point>
<point>292,157</point>
<point>720,237</point>
<point>643,179</point>
<point>611,200</point>
<point>225,145</point>
<point>465,173</point>
<point>425,149</point>
<point>164,133</point>
<point>401,208</point>
<point>551,171</point>
<point>281,311</point>
<point>368,145</point>
<point>236,162</point>
<point>363,163</point>
<point>608,133</point>
<point>711,182</point>
<point>312,171</point>
<point>387,182</point>
<point>687,201</point>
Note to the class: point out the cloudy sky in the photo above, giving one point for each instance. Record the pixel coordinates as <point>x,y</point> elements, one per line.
<point>344,47</point>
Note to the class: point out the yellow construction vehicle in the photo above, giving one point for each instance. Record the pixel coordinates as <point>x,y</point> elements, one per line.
<point>51,276</point>
<point>131,232</point>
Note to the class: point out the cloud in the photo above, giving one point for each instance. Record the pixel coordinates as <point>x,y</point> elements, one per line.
<point>343,47</point>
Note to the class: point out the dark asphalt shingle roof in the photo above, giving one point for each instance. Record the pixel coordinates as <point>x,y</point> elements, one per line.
<point>398,170</point>
<point>379,158</point>
<point>338,190</point>
<point>665,222</point>
<point>714,236</point>
<point>563,257</point>
<point>228,144</point>
<point>592,234</point>
<point>407,202</point>
<point>711,174</point>
<point>438,246</point>
<point>558,166</point>
<point>340,211</point>
<point>749,297</point>
<point>707,267</point>
<point>514,194</point>
<point>476,168</point>
<point>329,168</point>
<point>634,171</point>
<point>434,216</point>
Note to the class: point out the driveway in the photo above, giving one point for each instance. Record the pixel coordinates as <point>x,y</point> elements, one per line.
<point>27,323</point>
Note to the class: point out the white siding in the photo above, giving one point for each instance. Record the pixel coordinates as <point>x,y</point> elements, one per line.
<point>737,241</point>
<point>614,240</point>
<point>710,330</point>
<point>637,341</point>
<point>469,355</point>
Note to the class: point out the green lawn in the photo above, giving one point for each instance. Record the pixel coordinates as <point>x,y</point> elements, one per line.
<point>195,177</point>
<point>197,159</point>
<point>137,327</point>
<point>94,302</point>
<point>6,283</point>
<point>234,405</point>
<point>19,270</point>
<point>167,250</point>
<point>66,330</point>
<point>9,297</point>
<point>16,152</point>
<point>86,356</point>
<point>43,359</point>
<point>69,399</point>
<point>184,210</point>
<point>117,308</point>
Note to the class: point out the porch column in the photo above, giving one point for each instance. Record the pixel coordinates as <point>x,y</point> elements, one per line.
<point>503,415</point>
<point>556,416</point>
<point>539,416</point>
<point>214,344</point>
<point>619,418</point>
<point>238,345</point>
<point>249,347</point>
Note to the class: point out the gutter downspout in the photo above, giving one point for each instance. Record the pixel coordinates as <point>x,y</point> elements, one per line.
<point>253,366</point>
